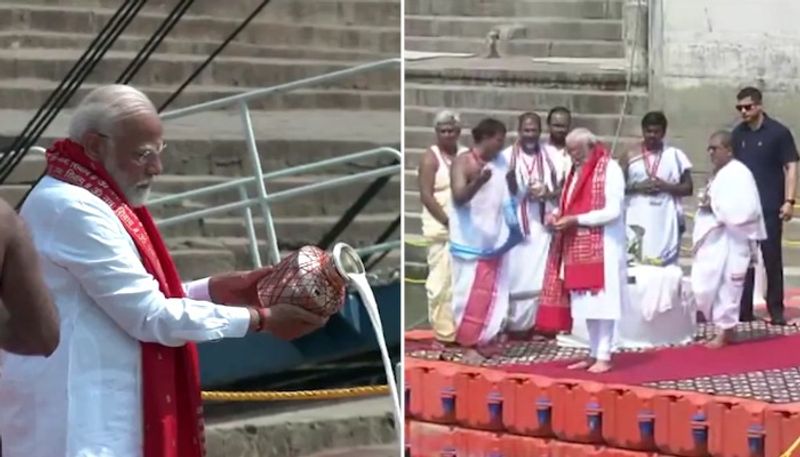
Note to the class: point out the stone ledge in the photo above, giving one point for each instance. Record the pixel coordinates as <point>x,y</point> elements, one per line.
<point>297,433</point>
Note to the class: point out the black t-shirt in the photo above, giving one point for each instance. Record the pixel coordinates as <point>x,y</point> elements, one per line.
<point>765,152</point>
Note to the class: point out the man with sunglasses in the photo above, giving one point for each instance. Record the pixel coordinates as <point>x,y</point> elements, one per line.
<point>768,149</point>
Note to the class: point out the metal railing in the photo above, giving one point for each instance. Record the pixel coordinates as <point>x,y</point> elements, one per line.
<point>263,198</point>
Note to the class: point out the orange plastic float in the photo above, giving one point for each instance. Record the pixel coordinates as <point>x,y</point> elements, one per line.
<point>528,409</point>
<point>629,420</point>
<point>577,412</point>
<point>782,428</point>
<point>482,398</point>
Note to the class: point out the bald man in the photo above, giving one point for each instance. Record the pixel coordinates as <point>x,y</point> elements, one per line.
<point>728,224</point>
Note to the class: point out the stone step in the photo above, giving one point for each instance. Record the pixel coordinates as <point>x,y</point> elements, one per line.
<point>277,31</point>
<point>531,27</point>
<point>599,123</point>
<point>213,142</point>
<point>202,257</point>
<point>292,232</point>
<point>53,40</point>
<point>173,69</point>
<point>419,138</point>
<point>30,94</point>
<point>519,47</point>
<point>586,9</point>
<point>555,73</point>
<point>474,97</point>
<point>378,12</point>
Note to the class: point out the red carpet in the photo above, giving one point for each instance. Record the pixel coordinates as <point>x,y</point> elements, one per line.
<point>681,363</point>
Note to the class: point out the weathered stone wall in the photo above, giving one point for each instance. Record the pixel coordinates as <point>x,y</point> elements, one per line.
<point>703,51</point>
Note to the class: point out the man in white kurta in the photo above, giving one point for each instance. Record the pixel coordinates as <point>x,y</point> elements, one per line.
<point>728,224</point>
<point>481,234</point>
<point>592,291</point>
<point>533,179</point>
<point>658,176</point>
<point>88,399</point>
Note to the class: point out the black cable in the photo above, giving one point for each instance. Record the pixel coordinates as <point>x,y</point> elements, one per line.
<point>154,41</point>
<point>362,201</point>
<point>96,57</point>
<point>13,150</point>
<point>213,55</point>
<point>382,238</point>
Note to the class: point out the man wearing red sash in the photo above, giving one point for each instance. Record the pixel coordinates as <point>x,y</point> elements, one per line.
<point>533,179</point>
<point>124,380</point>
<point>585,276</point>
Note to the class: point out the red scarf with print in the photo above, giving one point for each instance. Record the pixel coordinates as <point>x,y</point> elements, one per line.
<point>579,249</point>
<point>172,407</point>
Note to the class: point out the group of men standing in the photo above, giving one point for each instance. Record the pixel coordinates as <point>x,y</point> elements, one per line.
<point>526,238</point>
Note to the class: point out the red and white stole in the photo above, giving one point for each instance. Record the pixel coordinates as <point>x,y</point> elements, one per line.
<point>172,406</point>
<point>578,249</point>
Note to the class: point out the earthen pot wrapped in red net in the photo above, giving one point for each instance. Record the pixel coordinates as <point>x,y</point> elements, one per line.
<point>307,278</point>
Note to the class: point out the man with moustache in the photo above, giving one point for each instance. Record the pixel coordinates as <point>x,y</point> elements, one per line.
<point>434,191</point>
<point>767,148</point>
<point>559,123</point>
<point>658,176</point>
<point>586,272</point>
<point>533,179</point>
<point>124,381</point>
<point>483,228</point>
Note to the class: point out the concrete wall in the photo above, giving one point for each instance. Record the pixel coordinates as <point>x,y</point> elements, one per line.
<point>703,51</point>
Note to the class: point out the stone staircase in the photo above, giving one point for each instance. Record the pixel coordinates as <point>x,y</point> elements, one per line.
<point>290,40</point>
<point>566,53</point>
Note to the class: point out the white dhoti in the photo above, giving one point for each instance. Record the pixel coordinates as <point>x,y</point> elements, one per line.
<point>658,215</point>
<point>724,242</point>
<point>479,240</point>
<point>527,260</point>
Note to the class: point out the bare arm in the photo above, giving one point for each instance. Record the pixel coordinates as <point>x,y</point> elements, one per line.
<point>463,187</point>
<point>684,188</point>
<point>426,175</point>
<point>790,175</point>
<point>32,327</point>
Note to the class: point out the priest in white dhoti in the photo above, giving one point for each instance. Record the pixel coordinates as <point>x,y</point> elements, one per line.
<point>434,191</point>
<point>728,225</point>
<point>658,176</point>
<point>124,380</point>
<point>586,269</point>
<point>482,230</point>
<point>533,178</point>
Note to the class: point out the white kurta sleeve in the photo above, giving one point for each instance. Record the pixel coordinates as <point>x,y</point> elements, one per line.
<point>615,196</point>
<point>197,290</point>
<point>93,246</point>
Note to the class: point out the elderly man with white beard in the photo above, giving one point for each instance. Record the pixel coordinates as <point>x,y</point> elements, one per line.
<point>728,225</point>
<point>124,381</point>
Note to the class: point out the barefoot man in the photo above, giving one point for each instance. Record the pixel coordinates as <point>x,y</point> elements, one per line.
<point>482,230</point>
<point>586,273</point>
<point>728,225</point>
<point>434,191</point>
<point>533,179</point>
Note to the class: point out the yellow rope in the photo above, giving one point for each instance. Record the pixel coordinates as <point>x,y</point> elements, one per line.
<point>323,394</point>
<point>792,448</point>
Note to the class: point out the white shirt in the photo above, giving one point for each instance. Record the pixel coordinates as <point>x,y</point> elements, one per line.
<point>85,400</point>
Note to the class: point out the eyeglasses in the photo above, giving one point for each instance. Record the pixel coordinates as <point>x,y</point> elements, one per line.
<point>746,107</point>
<point>143,156</point>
